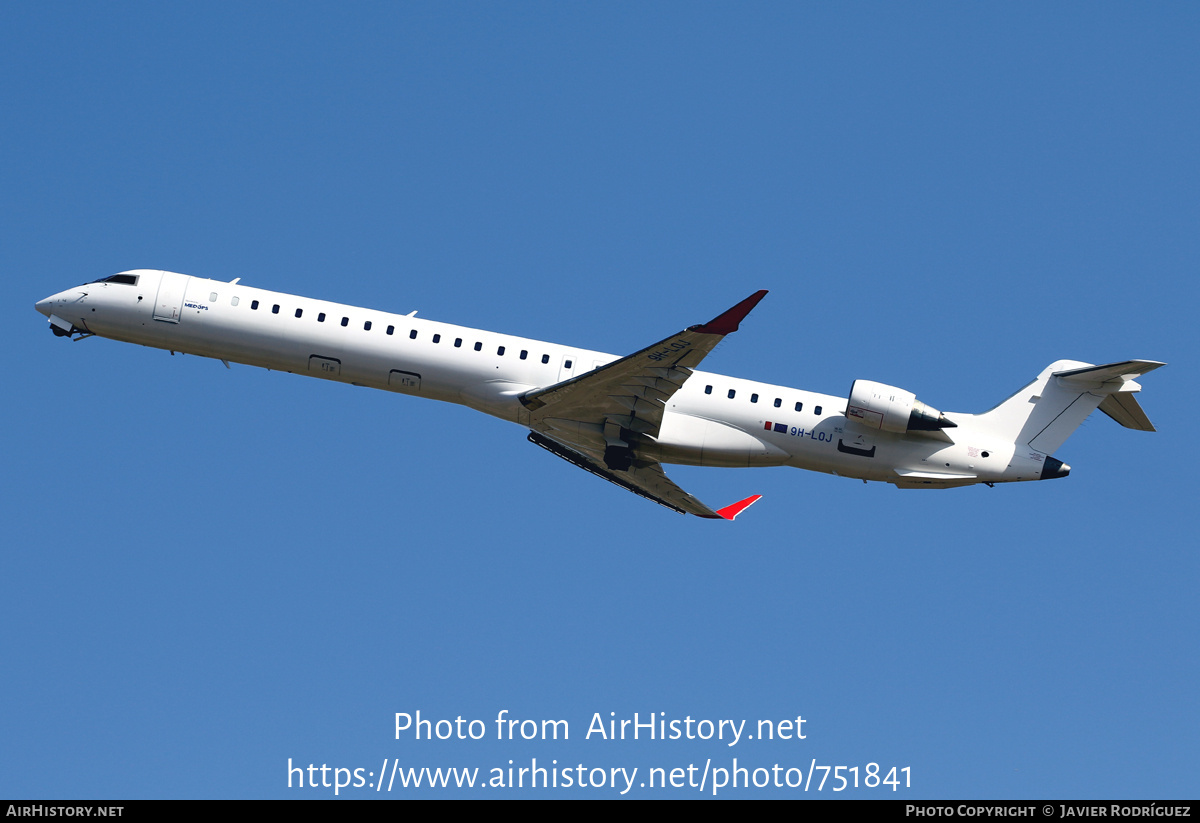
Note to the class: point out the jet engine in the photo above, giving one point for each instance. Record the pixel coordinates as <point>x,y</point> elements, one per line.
<point>889,409</point>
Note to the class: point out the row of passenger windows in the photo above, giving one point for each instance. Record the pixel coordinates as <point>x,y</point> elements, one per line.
<point>458,341</point>
<point>412,335</point>
<point>479,347</point>
<point>754,399</point>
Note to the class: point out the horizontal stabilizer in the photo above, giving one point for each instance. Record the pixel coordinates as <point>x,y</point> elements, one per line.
<point>1124,408</point>
<point>1115,381</point>
<point>1110,373</point>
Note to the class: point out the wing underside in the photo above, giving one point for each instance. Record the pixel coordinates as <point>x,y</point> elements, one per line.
<point>649,481</point>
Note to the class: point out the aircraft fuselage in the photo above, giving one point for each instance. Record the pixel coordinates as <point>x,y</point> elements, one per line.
<point>713,420</point>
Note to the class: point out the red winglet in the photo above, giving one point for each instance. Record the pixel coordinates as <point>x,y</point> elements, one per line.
<point>733,510</point>
<point>727,323</point>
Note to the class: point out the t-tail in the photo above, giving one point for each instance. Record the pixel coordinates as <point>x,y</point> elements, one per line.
<point>1042,415</point>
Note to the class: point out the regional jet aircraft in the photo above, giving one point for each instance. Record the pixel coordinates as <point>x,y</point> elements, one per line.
<point>620,418</point>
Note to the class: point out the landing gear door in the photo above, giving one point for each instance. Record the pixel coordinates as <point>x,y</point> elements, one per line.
<point>170,296</point>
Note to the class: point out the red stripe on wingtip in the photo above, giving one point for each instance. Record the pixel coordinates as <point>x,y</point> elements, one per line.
<point>727,322</point>
<point>733,510</point>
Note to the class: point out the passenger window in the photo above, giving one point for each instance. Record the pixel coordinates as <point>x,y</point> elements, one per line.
<point>524,354</point>
<point>799,406</point>
<point>568,364</point>
<point>437,338</point>
<point>754,398</point>
<point>299,312</point>
<point>458,342</point>
<point>817,411</point>
<point>275,309</point>
<point>732,392</point>
<point>778,402</point>
<point>345,321</point>
<point>254,305</point>
<point>545,358</point>
<point>391,329</point>
<point>367,326</point>
<point>233,301</point>
<point>478,347</point>
<point>412,335</point>
<point>708,389</point>
<point>500,351</point>
<point>212,298</point>
<point>321,317</point>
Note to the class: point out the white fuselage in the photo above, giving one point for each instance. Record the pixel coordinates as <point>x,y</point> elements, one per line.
<point>487,371</point>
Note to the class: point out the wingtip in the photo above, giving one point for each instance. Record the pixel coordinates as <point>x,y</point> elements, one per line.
<point>727,322</point>
<point>733,510</point>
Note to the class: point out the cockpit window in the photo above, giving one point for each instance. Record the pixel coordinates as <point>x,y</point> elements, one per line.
<point>123,279</point>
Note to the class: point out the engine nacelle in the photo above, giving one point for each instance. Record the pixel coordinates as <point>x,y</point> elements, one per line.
<point>889,409</point>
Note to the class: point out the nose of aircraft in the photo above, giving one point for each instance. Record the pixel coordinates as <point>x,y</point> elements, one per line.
<point>43,306</point>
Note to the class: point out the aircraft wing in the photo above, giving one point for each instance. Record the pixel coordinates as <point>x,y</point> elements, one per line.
<point>648,481</point>
<point>595,420</point>
<point>632,392</point>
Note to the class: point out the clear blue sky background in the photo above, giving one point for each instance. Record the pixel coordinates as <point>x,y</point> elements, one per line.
<point>208,572</point>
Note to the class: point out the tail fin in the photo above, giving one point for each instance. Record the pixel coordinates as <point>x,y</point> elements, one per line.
<point>1043,414</point>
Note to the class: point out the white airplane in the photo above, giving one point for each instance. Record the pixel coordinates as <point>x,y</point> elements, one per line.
<point>618,417</point>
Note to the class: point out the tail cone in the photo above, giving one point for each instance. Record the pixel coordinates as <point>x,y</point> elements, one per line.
<point>1054,468</point>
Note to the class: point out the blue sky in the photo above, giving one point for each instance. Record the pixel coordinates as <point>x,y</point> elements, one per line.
<point>209,572</point>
